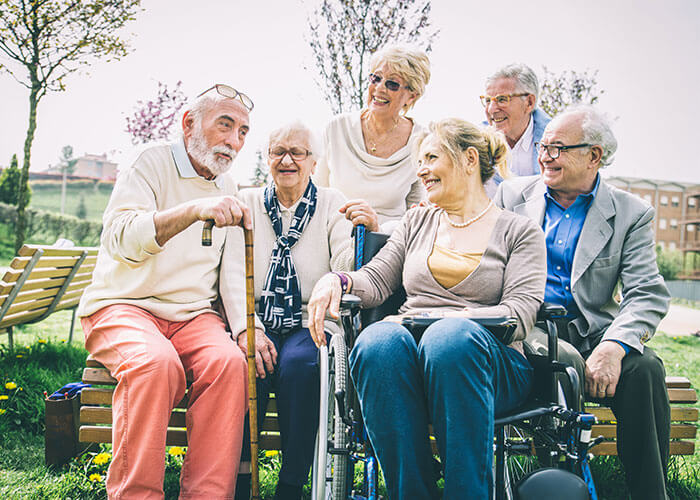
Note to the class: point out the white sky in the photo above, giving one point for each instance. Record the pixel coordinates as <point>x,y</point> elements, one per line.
<point>647,53</point>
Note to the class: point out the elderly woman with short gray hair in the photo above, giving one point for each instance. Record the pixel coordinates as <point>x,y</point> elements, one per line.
<point>368,154</point>
<point>300,235</point>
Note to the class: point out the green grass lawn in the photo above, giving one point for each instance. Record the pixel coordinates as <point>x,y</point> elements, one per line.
<point>23,474</point>
<point>49,198</point>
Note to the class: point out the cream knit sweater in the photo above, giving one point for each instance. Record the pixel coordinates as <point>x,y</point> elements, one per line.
<point>325,245</point>
<point>177,281</point>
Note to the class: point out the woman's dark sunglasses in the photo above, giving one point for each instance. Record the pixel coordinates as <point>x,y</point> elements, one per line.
<point>389,84</point>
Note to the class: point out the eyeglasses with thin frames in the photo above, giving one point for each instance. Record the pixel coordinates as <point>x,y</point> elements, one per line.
<point>297,154</point>
<point>554,150</point>
<point>231,93</point>
<point>500,99</point>
<point>389,84</point>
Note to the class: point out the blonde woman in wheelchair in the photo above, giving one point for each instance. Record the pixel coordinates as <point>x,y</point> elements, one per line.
<point>461,258</point>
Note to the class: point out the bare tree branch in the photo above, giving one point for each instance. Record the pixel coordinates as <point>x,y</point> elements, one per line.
<point>342,34</point>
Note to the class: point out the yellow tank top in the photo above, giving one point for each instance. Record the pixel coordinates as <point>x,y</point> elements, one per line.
<point>450,267</point>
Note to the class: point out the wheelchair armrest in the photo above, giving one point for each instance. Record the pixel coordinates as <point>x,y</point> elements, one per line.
<point>501,327</point>
<point>549,310</point>
<point>350,301</point>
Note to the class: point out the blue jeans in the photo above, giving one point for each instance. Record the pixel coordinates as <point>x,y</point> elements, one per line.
<point>458,377</point>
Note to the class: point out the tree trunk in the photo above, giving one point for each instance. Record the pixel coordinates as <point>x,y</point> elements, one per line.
<point>63,190</point>
<point>24,177</point>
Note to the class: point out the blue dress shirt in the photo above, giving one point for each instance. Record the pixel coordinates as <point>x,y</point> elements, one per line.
<point>562,229</point>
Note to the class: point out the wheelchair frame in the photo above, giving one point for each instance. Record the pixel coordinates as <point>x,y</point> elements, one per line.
<point>555,430</point>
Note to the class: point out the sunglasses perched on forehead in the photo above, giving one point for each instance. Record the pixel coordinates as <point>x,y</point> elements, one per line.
<point>231,93</point>
<point>389,84</point>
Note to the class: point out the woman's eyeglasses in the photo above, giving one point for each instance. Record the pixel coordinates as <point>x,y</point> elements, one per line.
<point>231,93</point>
<point>389,84</point>
<point>297,154</point>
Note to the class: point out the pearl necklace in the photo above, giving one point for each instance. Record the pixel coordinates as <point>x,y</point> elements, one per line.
<point>372,144</point>
<point>470,221</point>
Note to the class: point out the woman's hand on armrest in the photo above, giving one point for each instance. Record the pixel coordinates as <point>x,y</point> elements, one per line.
<point>325,297</point>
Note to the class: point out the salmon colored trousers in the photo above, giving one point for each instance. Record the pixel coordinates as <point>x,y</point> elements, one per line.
<point>151,358</point>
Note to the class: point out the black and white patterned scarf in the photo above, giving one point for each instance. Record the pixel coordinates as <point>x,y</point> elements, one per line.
<point>280,302</point>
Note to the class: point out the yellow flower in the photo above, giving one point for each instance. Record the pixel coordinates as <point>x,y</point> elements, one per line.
<point>176,450</point>
<point>42,341</point>
<point>4,397</point>
<point>95,477</point>
<point>10,385</point>
<point>2,411</point>
<point>271,453</point>
<point>20,356</point>
<point>102,458</point>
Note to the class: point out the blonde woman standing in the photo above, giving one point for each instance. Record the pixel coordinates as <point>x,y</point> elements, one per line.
<point>368,154</point>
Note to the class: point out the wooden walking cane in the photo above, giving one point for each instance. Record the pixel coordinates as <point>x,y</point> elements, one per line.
<point>250,332</point>
<point>252,377</point>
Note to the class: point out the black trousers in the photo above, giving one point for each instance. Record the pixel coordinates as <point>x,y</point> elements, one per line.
<point>643,414</point>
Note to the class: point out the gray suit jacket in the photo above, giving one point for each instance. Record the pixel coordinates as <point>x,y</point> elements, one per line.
<point>616,245</point>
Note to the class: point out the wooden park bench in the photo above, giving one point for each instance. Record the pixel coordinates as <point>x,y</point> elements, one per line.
<point>96,416</point>
<point>96,413</point>
<point>683,420</point>
<point>42,280</point>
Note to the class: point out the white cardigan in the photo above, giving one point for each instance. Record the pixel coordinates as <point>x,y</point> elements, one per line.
<point>389,185</point>
<point>324,246</point>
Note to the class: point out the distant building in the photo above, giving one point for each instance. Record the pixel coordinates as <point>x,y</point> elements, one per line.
<point>93,166</point>
<point>677,221</point>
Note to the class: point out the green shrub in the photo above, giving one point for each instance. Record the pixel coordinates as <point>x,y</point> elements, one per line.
<point>670,263</point>
<point>28,371</point>
<point>46,227</point>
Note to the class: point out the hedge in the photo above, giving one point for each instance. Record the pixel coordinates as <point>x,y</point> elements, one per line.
<point>47,227</point>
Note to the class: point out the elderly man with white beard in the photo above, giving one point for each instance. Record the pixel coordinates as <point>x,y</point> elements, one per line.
<point>149,315</point>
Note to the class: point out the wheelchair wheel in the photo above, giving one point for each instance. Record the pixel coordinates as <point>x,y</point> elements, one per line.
<point>519,460</point>
<point>338,436</point>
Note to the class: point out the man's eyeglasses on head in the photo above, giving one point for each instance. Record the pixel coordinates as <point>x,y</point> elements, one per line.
<point>389,84</point>
<point>554,150</point>
<point>231,93</point>
<point>500,99</point>
<point>297,154</point>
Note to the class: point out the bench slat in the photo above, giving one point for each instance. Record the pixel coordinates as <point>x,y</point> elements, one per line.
<point>11,276</point>
<point>683,396</point>
<point>99,376</point>
<point>678,382</point>
<point>29,250</point>
<point>44,262</point>
<point>678,414</point>
<point>678,431</point>
<point>677,448</point>
<point>175,437</point>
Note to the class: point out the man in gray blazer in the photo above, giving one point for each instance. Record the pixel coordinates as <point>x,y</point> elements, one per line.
<point>598,236</point>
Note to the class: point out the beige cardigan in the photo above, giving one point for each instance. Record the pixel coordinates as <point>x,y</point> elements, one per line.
<point>509,280</point>
<point>325,245</point>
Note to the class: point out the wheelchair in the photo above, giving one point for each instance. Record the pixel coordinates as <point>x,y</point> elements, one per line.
<point>541,449</point>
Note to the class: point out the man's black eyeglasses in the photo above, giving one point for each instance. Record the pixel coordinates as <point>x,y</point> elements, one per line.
<point>389,84</point>
<point>231,93</point>
<point>554,150</point>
